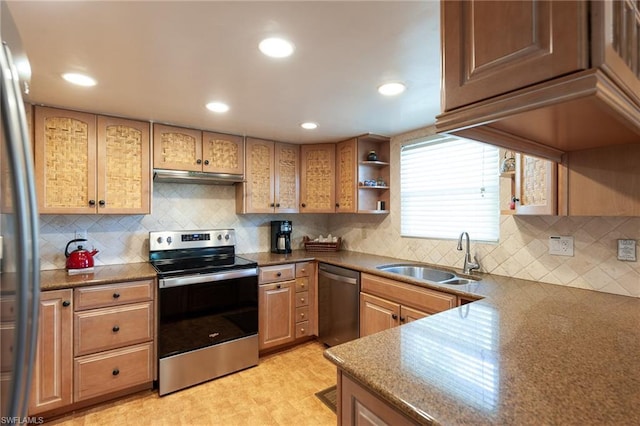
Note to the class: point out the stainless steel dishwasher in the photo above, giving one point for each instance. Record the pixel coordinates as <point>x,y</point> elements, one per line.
<point>338,304</point>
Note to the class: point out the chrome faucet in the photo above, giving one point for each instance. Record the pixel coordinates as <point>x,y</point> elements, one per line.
<point>469,264</point>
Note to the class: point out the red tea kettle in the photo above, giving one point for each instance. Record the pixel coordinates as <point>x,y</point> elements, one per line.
<point>79,258</point>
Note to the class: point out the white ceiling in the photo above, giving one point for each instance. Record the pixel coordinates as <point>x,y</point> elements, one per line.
<point>163,61</point>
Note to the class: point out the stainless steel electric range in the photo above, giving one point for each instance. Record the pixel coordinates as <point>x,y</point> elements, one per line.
<point>208,307</point>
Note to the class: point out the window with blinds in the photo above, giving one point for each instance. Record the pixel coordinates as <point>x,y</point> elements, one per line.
<point>449,185</point>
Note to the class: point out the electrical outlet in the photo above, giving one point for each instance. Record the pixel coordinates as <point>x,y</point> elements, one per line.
<point>81,234</point>
<point>561,246</point>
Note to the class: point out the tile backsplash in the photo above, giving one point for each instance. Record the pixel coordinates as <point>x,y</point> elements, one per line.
<point>521,251</point>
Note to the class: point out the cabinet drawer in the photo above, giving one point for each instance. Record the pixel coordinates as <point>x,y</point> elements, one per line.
<point>8,308</point>
<point>269,274</point>
<point>302,284</point>
<point>302,329</point>
<point>302,299</point>
<point>109,328</point>
<point>101,296</point>
<point>107,372</point>
<point>302,314</point>
<point>304,269</point>
<point>430,301</point>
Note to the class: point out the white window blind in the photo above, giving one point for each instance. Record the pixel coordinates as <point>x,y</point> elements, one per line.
<point>449,185</point>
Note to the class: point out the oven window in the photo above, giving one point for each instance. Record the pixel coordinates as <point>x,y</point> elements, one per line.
<point>200,315</point>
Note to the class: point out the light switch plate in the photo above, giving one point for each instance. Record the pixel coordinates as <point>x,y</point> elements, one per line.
<point>627,250</point>
<point>561,245</point>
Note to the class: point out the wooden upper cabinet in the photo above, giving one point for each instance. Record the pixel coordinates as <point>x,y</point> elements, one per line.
<point>286,178</point>
<point>87,164</point>
<point>65,161</point>
<point>222,153</point>
<point>347,176</point>
<point>177,148</point>
<point>541,77</point>
<point>124,173</point>
<point>317,178</point>
<point>536,186</point>
<point>495,47</point>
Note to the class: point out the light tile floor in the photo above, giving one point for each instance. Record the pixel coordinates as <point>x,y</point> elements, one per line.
<point>279,391</point>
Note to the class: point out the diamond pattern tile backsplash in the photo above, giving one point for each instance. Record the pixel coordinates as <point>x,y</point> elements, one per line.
<point>521,251</point>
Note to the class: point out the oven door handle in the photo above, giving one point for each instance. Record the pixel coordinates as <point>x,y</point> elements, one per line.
<point>197,279</point>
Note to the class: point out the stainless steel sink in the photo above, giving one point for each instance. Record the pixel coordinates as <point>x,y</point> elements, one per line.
<point>424,272</point>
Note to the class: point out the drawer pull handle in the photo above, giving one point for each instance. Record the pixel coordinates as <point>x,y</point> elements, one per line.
<point>66,303</point>
<point>279,274</point>
<point>115,372</point>
<point>278,286</point>
<point>116,295</point>
<point>302,299</point>
<point>115,328</point>
<point>394,316</point>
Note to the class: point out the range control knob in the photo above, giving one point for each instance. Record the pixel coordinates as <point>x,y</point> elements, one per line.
<point>219,237</point>
<point>169,240</point>
<point>159,240</point>
<point>226,237</point>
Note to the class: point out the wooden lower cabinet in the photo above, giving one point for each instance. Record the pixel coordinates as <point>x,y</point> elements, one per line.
<point>276,323</point>
<point>111,338</point>
<point>52,382</point>
<point>359,406</point>
<point>386,303</point>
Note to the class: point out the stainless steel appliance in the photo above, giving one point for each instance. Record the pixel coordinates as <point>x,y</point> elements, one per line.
<point>281,236</point>
<point>338,304</point>
<point>20,279</point>
<point>207,307</point>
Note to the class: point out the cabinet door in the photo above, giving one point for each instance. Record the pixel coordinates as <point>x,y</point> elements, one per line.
<point>493,47</point>
<point>408,315</point>
<point>259,186</point>
<point>176,148</point>
<point>377,314</point>
<point>317,174</point>
<point>222,153</point>
<point>286,178</point>
<point>123,166</point>
<point>347,176</point>
<point>52,382</point>
<point>276,314</point>
<point>65,161</point>
<point>536,185</point>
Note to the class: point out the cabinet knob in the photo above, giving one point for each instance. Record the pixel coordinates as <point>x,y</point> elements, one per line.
<point>279,274</point>
<point>92,203</point>
<point>115,328</point>
<point>278,286</point>
<point>115,372</point>
<point>277,204</point>
<point>102,203</point>
<point>394,316</point>
<point>66,303</point>
<point>302,330</point>
<point>206,162</point>
<point>301,314</point>
<point>198,161</point>
<point>116,295</point>
<point>337,204</point>
<point>303,205</point>
<point>302,299</point>
<point>402,319</point>
<point>271,205</point>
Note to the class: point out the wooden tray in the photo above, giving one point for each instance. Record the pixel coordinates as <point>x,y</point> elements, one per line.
<point>316,246</point>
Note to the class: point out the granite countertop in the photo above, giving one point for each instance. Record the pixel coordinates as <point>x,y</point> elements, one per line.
<point>59,278</point>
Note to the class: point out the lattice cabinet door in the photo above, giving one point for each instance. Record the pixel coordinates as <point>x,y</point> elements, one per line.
<point>222,153</point>
<point>65,161</point>
<point>286,178</point>
<point>347,176</point>
<point>258,195</point>
<point>177,148</point>
<point>536,186</point>
<point>317,178</point>
<point>123,166</point>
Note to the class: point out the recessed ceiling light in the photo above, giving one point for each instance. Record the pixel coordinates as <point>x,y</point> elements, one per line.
<point>391,89</point>
<point>276,47</point>
<point>309,125</point>
<point>217,107</point>
<point>79,79</point>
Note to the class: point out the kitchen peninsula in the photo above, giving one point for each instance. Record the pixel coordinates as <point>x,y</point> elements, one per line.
<point>526,353</point>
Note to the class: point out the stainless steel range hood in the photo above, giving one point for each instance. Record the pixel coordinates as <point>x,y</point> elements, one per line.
<point>183,176</point>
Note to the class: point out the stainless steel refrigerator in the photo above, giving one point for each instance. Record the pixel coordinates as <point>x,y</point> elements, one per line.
<point>20,263</point>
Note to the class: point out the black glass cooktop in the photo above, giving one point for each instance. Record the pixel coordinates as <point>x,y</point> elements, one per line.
<point>200,265</point>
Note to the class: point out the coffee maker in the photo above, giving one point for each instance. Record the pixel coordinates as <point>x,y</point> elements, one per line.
<point>281,236</point>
